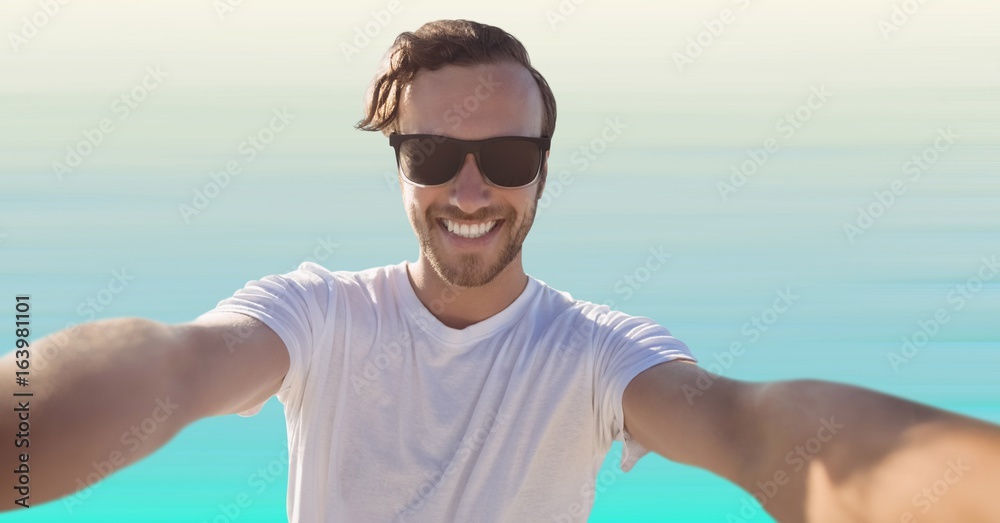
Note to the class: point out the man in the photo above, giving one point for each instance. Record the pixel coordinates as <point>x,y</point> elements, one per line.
<point>458,388</point>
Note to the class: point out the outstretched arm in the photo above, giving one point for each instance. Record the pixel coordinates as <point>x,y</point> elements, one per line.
<point>818,451</point>
<point>109,393</point>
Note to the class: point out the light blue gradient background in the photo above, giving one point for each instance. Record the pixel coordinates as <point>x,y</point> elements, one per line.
<point>654,186</point>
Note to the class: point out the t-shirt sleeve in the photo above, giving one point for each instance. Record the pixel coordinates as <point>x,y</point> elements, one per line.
<point>295,305</point>
<point>626,346</point>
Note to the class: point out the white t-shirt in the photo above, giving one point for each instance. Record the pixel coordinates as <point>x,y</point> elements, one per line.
<point>393,416</point>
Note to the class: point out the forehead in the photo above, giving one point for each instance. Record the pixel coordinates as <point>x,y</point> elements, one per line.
<point>472,102</point>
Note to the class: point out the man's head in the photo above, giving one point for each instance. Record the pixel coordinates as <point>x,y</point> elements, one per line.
<point>468,81</point>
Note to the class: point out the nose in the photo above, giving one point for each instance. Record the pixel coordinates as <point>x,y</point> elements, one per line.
<point>469,191</point>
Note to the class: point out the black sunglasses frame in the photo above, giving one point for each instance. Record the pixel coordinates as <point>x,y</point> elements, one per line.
<point>474,147</point>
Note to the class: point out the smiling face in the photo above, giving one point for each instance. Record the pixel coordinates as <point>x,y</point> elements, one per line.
<point>470,231</point>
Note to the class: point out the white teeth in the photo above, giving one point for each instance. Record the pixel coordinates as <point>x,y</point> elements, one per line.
<point>469,231</point>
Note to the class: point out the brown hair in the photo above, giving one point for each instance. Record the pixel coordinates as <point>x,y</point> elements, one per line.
<point>436,44</point>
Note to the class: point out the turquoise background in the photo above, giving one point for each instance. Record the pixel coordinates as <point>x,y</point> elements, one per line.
<point>320,182</point>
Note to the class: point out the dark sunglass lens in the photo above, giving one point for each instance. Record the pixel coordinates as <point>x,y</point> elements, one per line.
<point>429,161</point>
<point>510,163</point>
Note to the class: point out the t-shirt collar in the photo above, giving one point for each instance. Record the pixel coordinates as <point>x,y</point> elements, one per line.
<point>418,314</point>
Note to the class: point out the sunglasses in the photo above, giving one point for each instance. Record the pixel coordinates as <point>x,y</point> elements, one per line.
<point>509,162</point>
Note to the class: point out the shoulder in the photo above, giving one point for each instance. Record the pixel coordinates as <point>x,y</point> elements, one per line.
<point>368,279</point>
<point>584,312</point>
<point>596,321</point>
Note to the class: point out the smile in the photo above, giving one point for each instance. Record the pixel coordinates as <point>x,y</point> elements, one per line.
<point>469,230</point>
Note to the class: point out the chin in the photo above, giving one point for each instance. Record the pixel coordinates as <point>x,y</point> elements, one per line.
<point>475,268</point>
<point>466,270</point>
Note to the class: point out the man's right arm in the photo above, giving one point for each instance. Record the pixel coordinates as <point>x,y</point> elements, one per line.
<point>107,394</point>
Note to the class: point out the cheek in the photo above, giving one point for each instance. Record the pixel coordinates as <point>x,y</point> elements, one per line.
<point>416,201</point>
<point>412,206</point>
<point>410,196</point>
<point>528,199</point>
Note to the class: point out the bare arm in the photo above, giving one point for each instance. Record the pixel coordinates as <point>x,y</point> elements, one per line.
<point>819,451</point>
<point>109,393</point>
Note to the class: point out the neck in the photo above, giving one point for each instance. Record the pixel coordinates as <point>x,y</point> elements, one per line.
<point>458,307</point>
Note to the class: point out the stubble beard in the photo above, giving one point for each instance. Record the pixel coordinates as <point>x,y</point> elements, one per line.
<point>471,269</point>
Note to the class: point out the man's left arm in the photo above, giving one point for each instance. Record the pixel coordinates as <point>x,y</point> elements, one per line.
<point>819,451</point>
